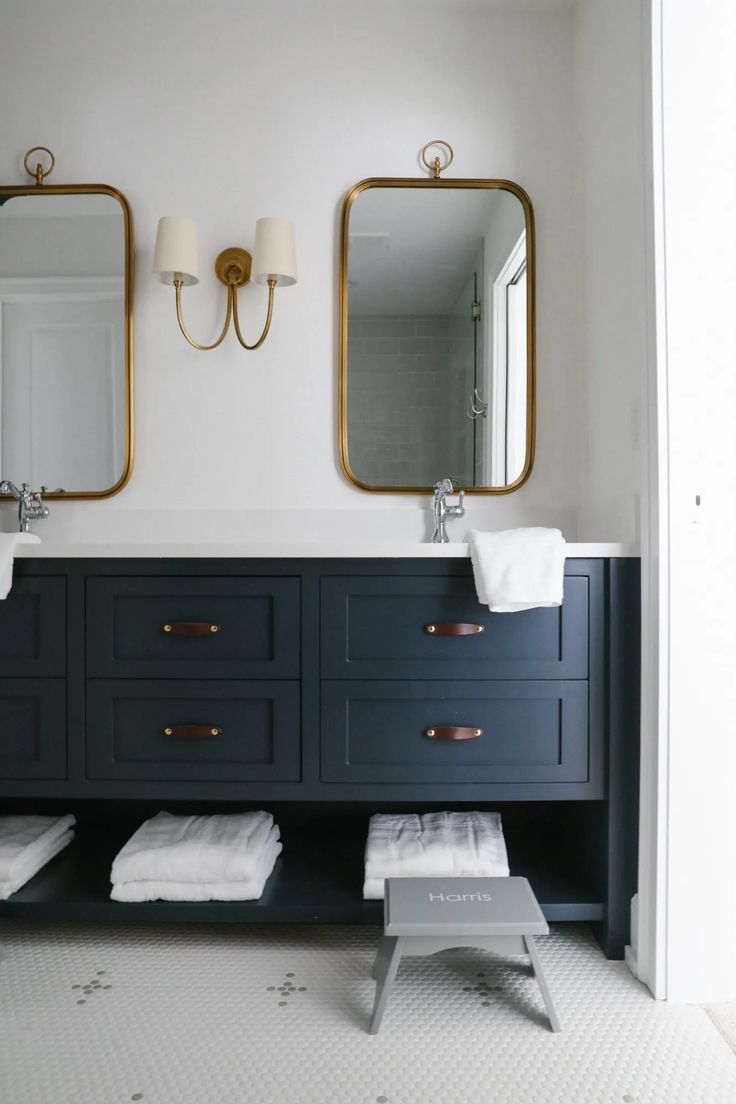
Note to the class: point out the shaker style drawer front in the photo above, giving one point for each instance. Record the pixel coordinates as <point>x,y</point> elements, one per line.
<point>468,732</point>
<point>434,626</point>
<point>193,628</point>
<point>33,629</point>
<point>33,728</point>
<point>203,732</point>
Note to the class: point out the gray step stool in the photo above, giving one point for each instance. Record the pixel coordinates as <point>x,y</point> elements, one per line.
<point>425,915</point>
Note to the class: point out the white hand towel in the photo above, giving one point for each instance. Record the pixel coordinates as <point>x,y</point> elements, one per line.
<point>250,890</point>
<point>8,542</point>
<point>441,845</point>
<point>28,864</point>
<point>518,569</point>
<point>25,837</point>
<point>225,847</point>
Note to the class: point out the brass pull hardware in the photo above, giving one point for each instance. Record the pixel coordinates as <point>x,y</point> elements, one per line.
<point>454,629</point>
<point>192,732</point>
<point>191,628</point>
<point>450,732</point>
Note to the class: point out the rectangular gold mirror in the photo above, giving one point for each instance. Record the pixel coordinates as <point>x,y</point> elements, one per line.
<point>66,275</point>
<point>437,335</point>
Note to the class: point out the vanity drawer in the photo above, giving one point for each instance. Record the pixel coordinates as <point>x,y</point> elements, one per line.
<point>532,732</point>
<point>32,728</point>
<point>33,628</point>
<point>379,628</point>
<point>217,628</point>
<point>204,732</point>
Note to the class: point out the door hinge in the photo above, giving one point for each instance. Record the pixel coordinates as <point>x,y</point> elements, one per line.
<point>475,311</point>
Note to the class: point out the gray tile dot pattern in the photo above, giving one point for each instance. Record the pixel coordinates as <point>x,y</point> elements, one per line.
<point>90,988</point>
<point>190,1020</point>
<point>286,989</point>
<point>484,989</point>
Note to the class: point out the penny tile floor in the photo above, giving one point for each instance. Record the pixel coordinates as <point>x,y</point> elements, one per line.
<point>278,1015</point>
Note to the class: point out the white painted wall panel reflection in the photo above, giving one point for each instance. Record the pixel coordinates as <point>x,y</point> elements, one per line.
<point>63,385</point>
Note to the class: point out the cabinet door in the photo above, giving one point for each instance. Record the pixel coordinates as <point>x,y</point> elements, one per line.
<point>427,627</point>
<point>392,732</point>
<point>198,732</point>
<point>193,628</point>
<point>32,728</point>
<point>33,629</point>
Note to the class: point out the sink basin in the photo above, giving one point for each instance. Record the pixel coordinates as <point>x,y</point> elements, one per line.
<point>28,538</point>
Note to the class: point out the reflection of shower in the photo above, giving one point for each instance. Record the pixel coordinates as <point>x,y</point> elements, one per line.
<point>478,407</point>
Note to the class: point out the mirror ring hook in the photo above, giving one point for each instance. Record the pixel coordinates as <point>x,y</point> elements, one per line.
<point>435,167</point>
<point>38,173</point>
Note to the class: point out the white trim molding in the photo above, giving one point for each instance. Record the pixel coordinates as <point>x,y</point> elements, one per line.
<point>647,956</point>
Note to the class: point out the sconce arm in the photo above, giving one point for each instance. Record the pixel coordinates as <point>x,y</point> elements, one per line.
<point>182,327</point>
<point>269,315</point>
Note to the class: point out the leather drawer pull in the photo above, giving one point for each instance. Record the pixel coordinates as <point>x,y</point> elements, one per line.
<point>192,732</point>
<point>460,629</point>
<point>448,732</point>
<point>191,628</point>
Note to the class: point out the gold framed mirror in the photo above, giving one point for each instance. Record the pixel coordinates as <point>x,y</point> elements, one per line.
<point>66,335</point>
<point>436,345</point>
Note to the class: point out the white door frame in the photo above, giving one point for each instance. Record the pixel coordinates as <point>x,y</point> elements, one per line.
<point>647,955</point>
<point>686,949</point>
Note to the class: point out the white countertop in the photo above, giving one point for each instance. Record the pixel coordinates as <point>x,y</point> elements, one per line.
<point>275,550</point>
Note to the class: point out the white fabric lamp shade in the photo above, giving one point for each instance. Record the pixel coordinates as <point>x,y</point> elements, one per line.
<point>176,256</point>
<point>274,254</point>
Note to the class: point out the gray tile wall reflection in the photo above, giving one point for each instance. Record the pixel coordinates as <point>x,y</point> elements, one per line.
<point>400,399</point>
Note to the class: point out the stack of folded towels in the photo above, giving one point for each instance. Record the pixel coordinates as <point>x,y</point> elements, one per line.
<point>27,843</point>
<point>433,845</point>
<point>226,857</point>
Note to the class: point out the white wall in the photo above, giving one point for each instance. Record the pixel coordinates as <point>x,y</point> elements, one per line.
<point>695,101</point>
<point>609,105</point>
<point>230,110</point>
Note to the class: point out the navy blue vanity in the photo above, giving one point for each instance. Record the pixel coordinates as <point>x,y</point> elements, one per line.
<point>309,687</point>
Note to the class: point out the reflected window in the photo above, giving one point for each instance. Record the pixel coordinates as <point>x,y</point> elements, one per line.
<point>506,441</point>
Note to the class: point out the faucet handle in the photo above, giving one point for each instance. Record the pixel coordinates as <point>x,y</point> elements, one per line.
<point>461,498</point>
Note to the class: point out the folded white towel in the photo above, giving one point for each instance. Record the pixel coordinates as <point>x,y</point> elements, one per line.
<point>249,890</point>
<point>29,867</point>
<point>27,843</point>
<point>225,847</point>
<point>26,835</point>
<point>441,845</point>
<point>518,569</point>
<point>8,542</point>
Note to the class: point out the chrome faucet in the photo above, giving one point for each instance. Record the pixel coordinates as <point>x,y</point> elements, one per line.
<point>30,503</point>
<point>442,511</point>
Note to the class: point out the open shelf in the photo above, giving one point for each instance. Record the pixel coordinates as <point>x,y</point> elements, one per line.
<point>317,879</point>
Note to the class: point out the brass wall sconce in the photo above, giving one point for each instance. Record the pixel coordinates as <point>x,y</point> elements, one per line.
<point>273,262</point>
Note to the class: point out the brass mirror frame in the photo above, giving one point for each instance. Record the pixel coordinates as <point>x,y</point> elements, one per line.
<point>100,189</point>
<point>438,184</point>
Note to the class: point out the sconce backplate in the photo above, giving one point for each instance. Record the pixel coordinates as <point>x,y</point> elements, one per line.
<point>233,267</point>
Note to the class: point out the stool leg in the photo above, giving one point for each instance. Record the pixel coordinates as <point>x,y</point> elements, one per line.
<point>385,945</point>
<point>542,982</point>
<point>389,966</point>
